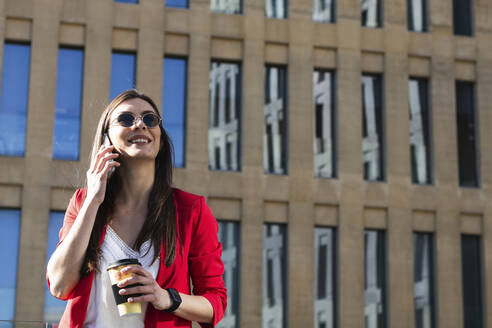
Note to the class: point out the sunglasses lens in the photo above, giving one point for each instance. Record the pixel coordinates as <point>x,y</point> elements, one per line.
<point>126,119</point>
<point>151,120</point>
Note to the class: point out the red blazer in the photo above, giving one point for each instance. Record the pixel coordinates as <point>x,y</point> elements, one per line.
<point>198,255</point>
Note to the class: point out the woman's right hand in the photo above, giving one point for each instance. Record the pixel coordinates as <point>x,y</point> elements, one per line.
<point>97,175</point>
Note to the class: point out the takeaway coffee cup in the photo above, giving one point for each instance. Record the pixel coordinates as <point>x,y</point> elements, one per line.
<point>115,275</point>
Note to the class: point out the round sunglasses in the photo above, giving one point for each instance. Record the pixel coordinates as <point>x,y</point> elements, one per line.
<point>128,119</point>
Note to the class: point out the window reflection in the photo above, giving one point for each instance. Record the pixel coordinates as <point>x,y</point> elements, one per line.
<point>177,4</point>
<point>53,307</point>
<point>122,72</point>
<point>13,98</point>
<point>274,137</point>
<point>226,6</point>
<point>229,238</point>
<point>372,142</point>
<point>276,8</point>
<point>274,293</point>
<point>324,281</point>
<point>419,131</point>
<point>174,105</point>
<point>223,131</point>
<point>68,103</point>
<point>423,280</point>
<point>417,15</point>
<point>471,257</point>
<point>9,247</point>
<point>324,125</point>
<point>462,17</point>
<point>375,280</point>
<point>324,11</point>
<point>465,120</point>
<point>370,13</point>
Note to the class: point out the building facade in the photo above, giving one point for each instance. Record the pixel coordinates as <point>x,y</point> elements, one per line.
<point>341,145</point>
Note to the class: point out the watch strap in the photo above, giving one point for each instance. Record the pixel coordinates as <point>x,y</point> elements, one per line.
<point>175,299</point>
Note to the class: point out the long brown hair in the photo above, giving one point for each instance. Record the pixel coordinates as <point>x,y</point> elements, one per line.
<point>161,215</point>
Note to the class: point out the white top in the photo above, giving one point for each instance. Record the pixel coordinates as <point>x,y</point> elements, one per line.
<point>102,310</point>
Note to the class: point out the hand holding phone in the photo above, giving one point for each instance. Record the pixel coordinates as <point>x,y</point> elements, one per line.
<point>107,142</point>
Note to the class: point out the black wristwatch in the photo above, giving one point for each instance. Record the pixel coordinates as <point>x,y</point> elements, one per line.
<point>175,299</point>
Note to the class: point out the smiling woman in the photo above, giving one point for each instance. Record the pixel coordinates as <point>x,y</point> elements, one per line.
<point>136,213</point>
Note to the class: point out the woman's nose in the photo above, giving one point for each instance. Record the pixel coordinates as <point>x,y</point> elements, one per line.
<point>139,123</point>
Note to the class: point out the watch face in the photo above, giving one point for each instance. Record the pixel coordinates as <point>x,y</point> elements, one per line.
<point>175,298</point>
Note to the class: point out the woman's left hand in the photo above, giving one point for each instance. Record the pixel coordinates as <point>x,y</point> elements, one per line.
<point>150,289</point>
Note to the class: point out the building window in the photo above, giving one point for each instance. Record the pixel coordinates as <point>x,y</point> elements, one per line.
<point>324,11</point>
<point>466,126</point>
<point>420,144</point>
<point>122,72</point>
<point>471,259</point>
<point>417,15</point>
<point>462,17</point>
<point>375,279</point>
<point>53,307</point>
<point>324,278</point>
<point>275,126</point>
<point>276,9</point>
<point>13,98</point>
<point>372,129</point>
<point>183,4</point>
<point>69,82</point>
<point>371,13</point>
<point>127,1</point>
<point>423,280</point>
<point>324,125</point>
<point>226,6</point>
<point>174,105</point>
<point>9,248</point>
<point>229,238</point>
<point>274,276</point>
<point>224,120</point>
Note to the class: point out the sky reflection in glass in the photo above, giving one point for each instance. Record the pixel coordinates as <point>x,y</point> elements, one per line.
<point>68,102</point>
<point>174,104</point>
<point>53,307</point>
<point>13,98</point>
<point>9,246</point>
<point>122,73</point>
<point>177,3</point>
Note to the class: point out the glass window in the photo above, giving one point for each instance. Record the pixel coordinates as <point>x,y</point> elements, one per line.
<point>417,15</point>
<point>274,276</point>
<point>471,259</point>
<point>465,119</point>
<point>324,278</point>
<point>177,4</point>
<point>127,1</point>
<point>9,248</point>
<point>371,13</point>
<point>420,144</point>
<point>423,280</point>
<point>53,307</point>
<point>276,8</point>
<point>229,238</point>
<point>324,125</point>
<point>13,98</point>
<point>224,134</point>
<point>372,128</point>
<point>462,17</point>
<point>275,124</point>
<point>122,72</point>
<point>375,279</point>
<point>174,105</point>
<point>226,6</point>
<point>324,11</point>
<point>69,82</point>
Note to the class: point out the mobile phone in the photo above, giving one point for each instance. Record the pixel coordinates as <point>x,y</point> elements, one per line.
<point>107,142</point>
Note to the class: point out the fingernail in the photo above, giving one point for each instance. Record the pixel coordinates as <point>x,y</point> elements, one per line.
<point>122,291</point>
<point>130,299</point>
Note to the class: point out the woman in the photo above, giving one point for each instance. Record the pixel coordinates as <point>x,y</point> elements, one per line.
<point>135,213</point>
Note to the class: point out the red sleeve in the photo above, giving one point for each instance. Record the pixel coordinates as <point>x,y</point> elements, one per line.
<point>70,215</point>
<point>206,267</point>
